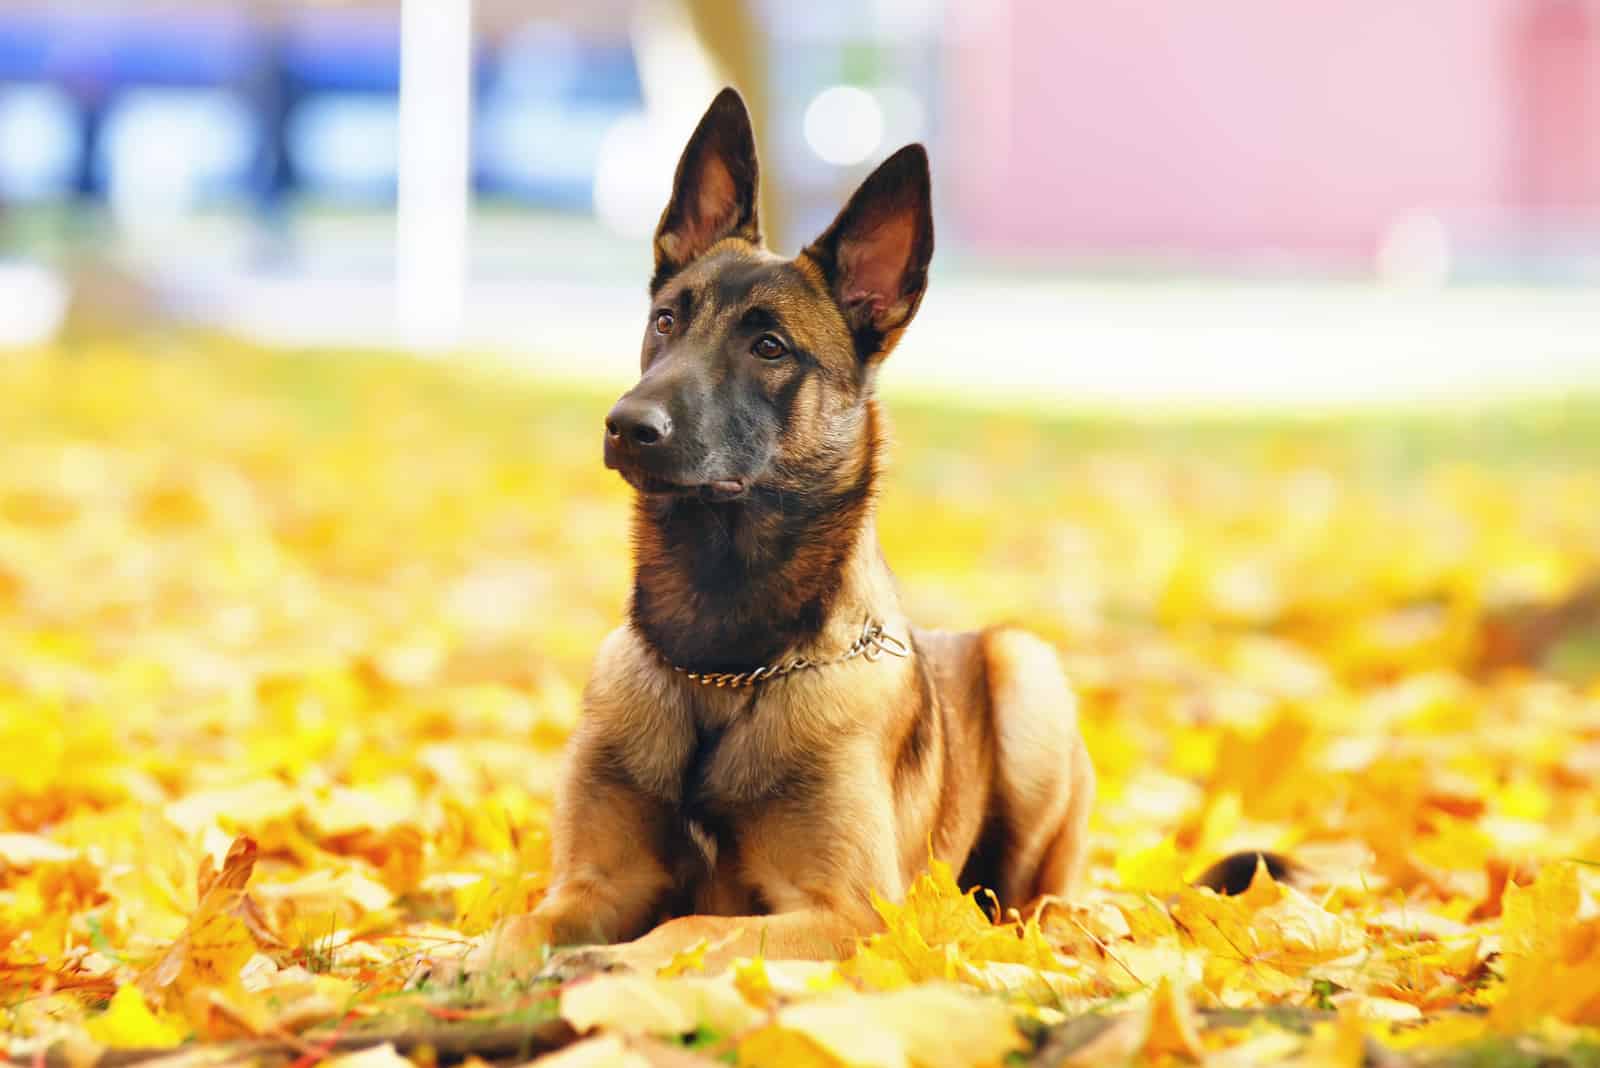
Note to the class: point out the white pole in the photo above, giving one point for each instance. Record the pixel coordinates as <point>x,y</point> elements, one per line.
<point>434,181</point>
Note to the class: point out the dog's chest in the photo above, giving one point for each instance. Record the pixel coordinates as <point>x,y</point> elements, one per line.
<point>732,762</point>
<point>716,754</point>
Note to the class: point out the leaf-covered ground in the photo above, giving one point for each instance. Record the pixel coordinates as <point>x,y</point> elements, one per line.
<point>289,645</point>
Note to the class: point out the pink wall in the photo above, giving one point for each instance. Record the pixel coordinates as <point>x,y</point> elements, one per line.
<point>1229,126</point>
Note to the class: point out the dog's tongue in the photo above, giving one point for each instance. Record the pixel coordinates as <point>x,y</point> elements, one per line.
<point>724,489</point>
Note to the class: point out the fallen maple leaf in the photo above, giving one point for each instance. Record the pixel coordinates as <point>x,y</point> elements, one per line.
<point>128,1022</point>
<point>1172,1030</point>
<point>639,1005</point>
<point>1551,956</point>
<point>936,929</point>
<point>1262,942</point>
<point>220,936</point>
<point>889,1030</point>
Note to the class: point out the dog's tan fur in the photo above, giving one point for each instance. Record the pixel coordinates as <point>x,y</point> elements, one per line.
<point>763,819</point>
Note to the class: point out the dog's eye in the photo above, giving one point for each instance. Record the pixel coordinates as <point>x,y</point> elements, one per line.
<point>664,322</point>
<point>768,347</point>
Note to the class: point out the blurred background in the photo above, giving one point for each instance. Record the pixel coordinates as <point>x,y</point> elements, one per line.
<point>1146,202</point>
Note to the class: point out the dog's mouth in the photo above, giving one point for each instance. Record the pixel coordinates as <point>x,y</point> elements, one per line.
<point>721,489</point>
<point>652,484</point>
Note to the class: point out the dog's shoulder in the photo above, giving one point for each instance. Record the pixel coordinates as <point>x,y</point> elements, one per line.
<point>1025,670</point>
<point>627,678</point>
<point>635,723</point>
<point>955,661</point>
<point>977,671</point>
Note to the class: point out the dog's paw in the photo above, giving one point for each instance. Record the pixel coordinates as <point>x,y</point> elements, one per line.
<point>581,962</point>
<point>513,949</point>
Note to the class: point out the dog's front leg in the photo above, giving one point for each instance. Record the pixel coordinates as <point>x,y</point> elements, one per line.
<point>819,861</point>
<point>821,933</point>
<point>609,875</point>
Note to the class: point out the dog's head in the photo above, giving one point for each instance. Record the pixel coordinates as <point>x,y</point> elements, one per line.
<point>756,369</point>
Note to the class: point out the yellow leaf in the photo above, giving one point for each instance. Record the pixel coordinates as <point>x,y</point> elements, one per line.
<point>936,929</point>
<point>1455,845</point>
<point>640,1005</point>
<point>1456,1029</point>
<point>1349,1038</point>
<point>1532,917</point>
<point>1156,869</point>
<point>26,850</point>
<point>751,980</point>
<point>892,1030</point>
<point>792,979</point>
<point>218,949</point>
<point>1217,822</point>
<point>128,1023</point>
<point>1263,890</point>
<point>629,1004</point>
<point>1551,957</point>
<point>1263,940</point>
<point>1172,1027</point>
<point>219,937</point>
<point>686,961</point>
<point>875,969</point>
<point>778,1047</point>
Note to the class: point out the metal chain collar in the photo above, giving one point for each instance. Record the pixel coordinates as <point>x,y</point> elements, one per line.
<point>872,644</point>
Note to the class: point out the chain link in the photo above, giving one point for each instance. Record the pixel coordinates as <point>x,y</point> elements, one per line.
<point>873,643</point>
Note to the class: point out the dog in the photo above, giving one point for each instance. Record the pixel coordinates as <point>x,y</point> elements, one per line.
<point>767,742</point>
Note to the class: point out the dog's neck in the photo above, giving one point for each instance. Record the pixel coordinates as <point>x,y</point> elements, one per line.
<point>738,585</point>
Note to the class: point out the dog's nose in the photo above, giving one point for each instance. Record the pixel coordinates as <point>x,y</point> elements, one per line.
<point>639,422</point>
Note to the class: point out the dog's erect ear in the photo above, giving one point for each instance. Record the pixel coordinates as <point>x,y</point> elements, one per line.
<point>714,191</point>
<point>875,255</point>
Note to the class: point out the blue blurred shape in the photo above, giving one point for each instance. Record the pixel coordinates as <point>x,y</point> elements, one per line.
<point>551,98</point>
<point>29,41</point>
<point>184,103</point>
<point>342,69</point>
<point>345,145</point>
<point>40,142</point>
<point>176,146</point>
<point>106,47</point>
<point>356,51</point>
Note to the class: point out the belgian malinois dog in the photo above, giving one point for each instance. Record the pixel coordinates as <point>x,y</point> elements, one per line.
<point>767,741</point>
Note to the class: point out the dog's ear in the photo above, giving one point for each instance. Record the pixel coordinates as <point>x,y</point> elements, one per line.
<point>714,191</point>
<point>875,255</point>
